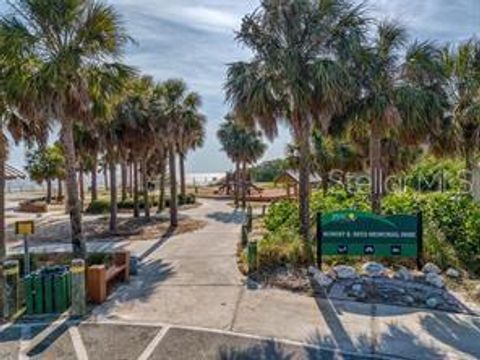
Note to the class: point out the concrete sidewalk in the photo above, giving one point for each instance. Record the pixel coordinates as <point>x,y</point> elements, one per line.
<point>193,280</point>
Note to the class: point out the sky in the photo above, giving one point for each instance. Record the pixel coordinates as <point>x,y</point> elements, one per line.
<point>194,40</point>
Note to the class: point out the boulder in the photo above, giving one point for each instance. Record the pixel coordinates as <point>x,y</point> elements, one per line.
<point>312,270</point>
<point>323,279</point>
<point>403,274</point>
<point>374,269</point>
<point>433,302</point>
<point>409,300</point>
<point>358,291</point>
<point>435,280</point>
<point>345,272</point>
<point>431,268</point>
<point>453,273</point>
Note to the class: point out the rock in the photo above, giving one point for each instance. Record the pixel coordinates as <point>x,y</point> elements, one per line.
<point>312,270</point>
<point>433,302</point>
<point>357,291</point>
<point>453,273</point>
<point>409,300</point>
<point>345,272</point>
<point>357,287</point>
<point>476,292</point>
<point>374,269</point>
<point>323,279</point>
<point>403,274</point>
<point>435,280</point>
<point>431,268</point>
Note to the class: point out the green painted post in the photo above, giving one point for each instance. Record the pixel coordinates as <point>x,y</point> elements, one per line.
<point>59,293</point>
<point>249,218</point>
<point>79,298</point>
<point>28,290</point>
<point>319,240</point>
<point>244,236</point>
<point>252,256</point>
<point>69,288</point>
<point>38,294</point>
<point>48,295</point>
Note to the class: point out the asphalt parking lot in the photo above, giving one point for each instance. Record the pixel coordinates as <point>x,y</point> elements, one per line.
<point>96,341</point>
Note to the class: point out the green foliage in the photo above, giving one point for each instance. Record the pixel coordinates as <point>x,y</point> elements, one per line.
<point>432,174</point>
<point>451,221</point>
<point>281,248</point>
<point>268,171</point>
<point>100,206</point>
<point>46,164</point>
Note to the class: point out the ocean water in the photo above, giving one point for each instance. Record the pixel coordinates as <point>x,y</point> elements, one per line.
<point>13,186</point>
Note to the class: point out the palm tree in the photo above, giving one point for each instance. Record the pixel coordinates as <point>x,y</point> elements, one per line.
<point>244,147</point>
<point>192,135</point>
<point>175,105</point>
<point>462,126</point>
<point>401,95</point>
<point>293,76</point>
<point>55,51</point>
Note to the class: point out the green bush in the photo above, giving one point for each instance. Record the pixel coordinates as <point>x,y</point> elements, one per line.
<point>100,206</point>
<point>451,221</point>
<point>281,248</point>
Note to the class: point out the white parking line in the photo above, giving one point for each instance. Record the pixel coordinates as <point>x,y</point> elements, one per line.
<point>153,344</point>
<point>78,344</point>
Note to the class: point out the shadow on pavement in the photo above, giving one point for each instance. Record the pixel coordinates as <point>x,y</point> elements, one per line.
<point>157,244</point>
<point>263,351</point>
<point>140,287</point>
<point>227,217</point>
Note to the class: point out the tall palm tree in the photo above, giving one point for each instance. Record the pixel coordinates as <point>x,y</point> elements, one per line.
<point>293,76</point>
<point>192,136</point>
<point>462,126</point>
<point>244,147</point>
<point>401,95</point>
<point>174,104</point>
<point>55,51</point>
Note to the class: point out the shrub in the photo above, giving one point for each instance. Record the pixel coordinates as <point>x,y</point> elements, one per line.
<point>100,206</point>
<point>280,248</point>
<point>282,213</point>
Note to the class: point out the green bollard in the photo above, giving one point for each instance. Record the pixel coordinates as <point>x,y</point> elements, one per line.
<point>244,236</point>
<point>79,301</point>
<point>249,218</point>
<point>48,294</point>
<point>252,256</point>
<point>28,290</point>
<point>38,294</point>
<point>59,293</point>
<point>11,288</point>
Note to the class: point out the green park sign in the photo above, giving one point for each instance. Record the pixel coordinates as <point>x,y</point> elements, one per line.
<point>353,233</point>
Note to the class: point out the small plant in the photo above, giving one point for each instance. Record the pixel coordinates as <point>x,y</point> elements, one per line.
<point>100,206</point>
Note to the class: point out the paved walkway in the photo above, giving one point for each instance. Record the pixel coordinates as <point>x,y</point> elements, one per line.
<point>190,287</point>
<point>192,280</point>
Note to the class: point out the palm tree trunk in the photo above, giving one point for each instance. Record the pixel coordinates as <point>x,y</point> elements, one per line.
<point>146,200</point>
<point>469,162</point>
<point>173,189</point>
<point>303,141</point>
<point>237,184</point>
<point>59,190</point>
<point>93,189</point>
<point>105,176</point>
<point>49,191</point>
<point>244,185</point>
<point>130,180</point>
<point>376,174</point>
<point>183,188</point>
<point>124,180</point>
<point>136,208</point>
<point>113,197</point>
<point>161,188</point>
<point>3,245</point>
<point>81,185</point>
<point>74,210</point>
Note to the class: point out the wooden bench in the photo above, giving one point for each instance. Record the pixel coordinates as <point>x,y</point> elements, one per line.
<point>100,279</point>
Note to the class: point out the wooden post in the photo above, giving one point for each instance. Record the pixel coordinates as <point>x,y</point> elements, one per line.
<point>97,283</point>
<point>79,299</point>
<point>252,256</point>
